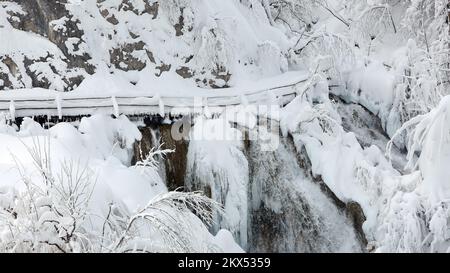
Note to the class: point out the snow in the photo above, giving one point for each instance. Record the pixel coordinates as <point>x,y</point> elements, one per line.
<point>26,43</point>
<point>108,85</point>
<point>354,179</point>
<point>115,106</point>
<point>279,90</point>
<point>234,34</point>
<point>392,203</point>
<point>354,75</point>
<point>20,45</point>
<point>12,110</point>
<point>58,102</point>
<point>241,34</point>
<point>216,162</point>
<point>430,138</point>
<point>225,239</point>
<point>373,87</point>
<point>110,136</point>
<point>30,128</point>
<point>161,106</point>
<point>101,144</point>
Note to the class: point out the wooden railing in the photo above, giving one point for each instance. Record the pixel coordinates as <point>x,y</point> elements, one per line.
<point>60,105</point>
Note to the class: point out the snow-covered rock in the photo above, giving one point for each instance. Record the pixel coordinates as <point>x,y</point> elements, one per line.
<point>211,44</point>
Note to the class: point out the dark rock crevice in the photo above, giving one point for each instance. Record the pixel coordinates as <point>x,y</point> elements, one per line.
<point>174,164</point>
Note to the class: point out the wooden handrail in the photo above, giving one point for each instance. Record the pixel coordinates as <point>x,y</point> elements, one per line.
<point>67,105</point>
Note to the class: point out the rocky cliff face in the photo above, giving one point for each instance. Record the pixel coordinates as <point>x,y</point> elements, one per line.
<point>57,63</point>
<point>58,44</point>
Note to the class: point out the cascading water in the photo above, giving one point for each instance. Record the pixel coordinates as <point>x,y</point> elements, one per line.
<point>217,165</point>
<point>271,202</point>
<point>289,211</point>
<point>284,199</point>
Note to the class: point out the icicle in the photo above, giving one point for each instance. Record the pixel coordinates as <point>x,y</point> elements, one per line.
<point>58,102</point>
<point>161,106</point>
<point>206,111</point>
<point>115,106</point>
<point>12,110</point>
<point>199,102</point>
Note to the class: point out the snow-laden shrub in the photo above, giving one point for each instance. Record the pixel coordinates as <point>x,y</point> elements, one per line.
<point>295,15</point>
<point>329,53</point>
<point>371,26</point>
<point>271,59</point>
<point>62,193</point>
<point>422,66</point>
<point>430,139</point>
<point>428,158</point>
<point>418,89</point>
<point>427,21</point>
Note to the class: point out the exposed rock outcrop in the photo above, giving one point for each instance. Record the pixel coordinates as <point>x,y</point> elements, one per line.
<point>147,38</point>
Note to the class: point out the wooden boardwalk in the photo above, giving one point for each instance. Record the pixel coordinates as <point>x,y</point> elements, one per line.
<point>64,105</point>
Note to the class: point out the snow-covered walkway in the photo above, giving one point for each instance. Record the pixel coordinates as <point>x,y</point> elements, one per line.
<point>40,102</point>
